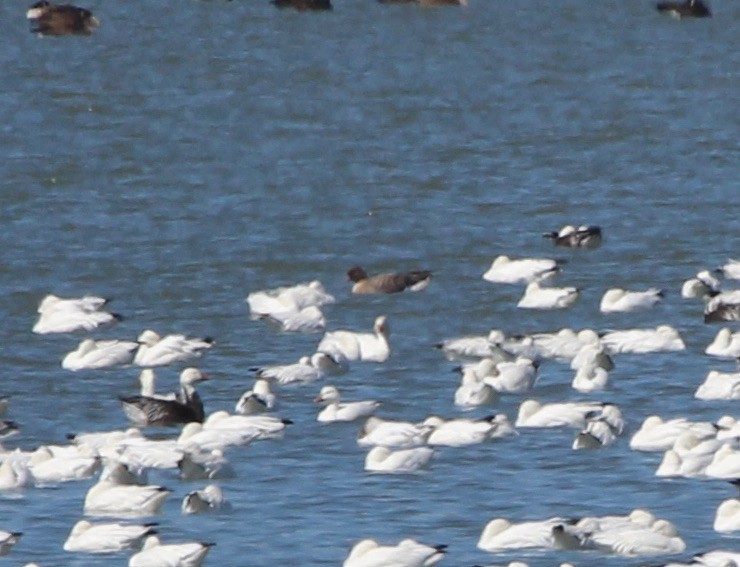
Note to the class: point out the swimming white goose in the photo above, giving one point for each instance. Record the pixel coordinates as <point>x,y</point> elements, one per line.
<point>590,378</point>
<point>368,347</point>
<point>585,236</point>
<point>571,414</point>
<point>46,468</point>
<point>728,428</point>
<point>461,432</point>
<point>617,300</point>
<point>731,270</point>
<point>661,538</point>
<point>725,345</point>
<point>171,349</point>
<point>8,540</point>
<point>655,434</point>
<point>538,297</point>
<point>727,517</point>
<point>524,270</point>
<point>262,426</point>
<point>143,453</point>
<point>474,348</point>
<point>388,460</point>
<point>14,473</point>
<point>288,299</point>
<point>100,439</point>
<point>725,463</point>
<point>663,338</point>
<point>308,320</point>
<point>59,315</point>
<point>207,499</point>
<point>514,377</point>
<point>719,386</point>
<point>107,498</point>
<point>308,369</point>
<point>563,345</point>
<point>408,553</point>
<point>400,434</point>
<point>195,438</point>
<point>256,400</point>
<point>717,558</point>
<point>156,554</point>
<point>473,392</point>
<point>145,410</point>
<point>592,355</point>
<point>501,534</point>
<point>704,284</point>
<point>108,537</point>
<point>344,411</point>
<point>689,457</point>
<point>91,354</point>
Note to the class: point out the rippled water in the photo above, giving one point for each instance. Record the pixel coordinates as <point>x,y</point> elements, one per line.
<point>188,154</point>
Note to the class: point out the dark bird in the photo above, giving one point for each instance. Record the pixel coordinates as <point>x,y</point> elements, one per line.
<point>687,9</point>
<point>151,410</point>
<point>61,19</point>
<point>390,282</point>
<point>303,5</point>
<point>572,237</point>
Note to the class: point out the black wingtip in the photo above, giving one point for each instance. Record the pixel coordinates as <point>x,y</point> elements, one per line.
<point>118,316</point>
<point>287,421</point>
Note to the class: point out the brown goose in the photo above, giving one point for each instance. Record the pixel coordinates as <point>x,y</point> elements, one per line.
<point>687,9</point>
<point>61,19</point>
<point>152,410</point>
<point>302,5</point>
<point>390,282</point>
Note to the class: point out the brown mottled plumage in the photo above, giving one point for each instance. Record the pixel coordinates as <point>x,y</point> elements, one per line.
<point>390,282</point>
<point>62,19</point>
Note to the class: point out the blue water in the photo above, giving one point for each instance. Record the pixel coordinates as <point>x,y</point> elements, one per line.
<point>188,154</point>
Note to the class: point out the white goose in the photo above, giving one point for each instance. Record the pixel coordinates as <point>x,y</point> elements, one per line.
<point>704,284</point>
<point>262,426</point>
<point>571,414</point>
<point>308,320</point>
<point>514,377</point>
<point>395,461</point>
<point>59,315</point>
<point>170,349</point>
<point>388,433</point>
<point>308,369</point>
<point>731,270</point>
<point>344,411</point>
<point>663,338</point>
<point>590,378</point>
<point>351,346</point>
<point>725,345</point>
<point>110,537</point>
<point>288,299</point>
<point>14,473</point>
<point>661,538</point>
<point>655,434</point>
<point>501,534</point>
<point>461,432</point>
<point>91,354</point>
<point>524,270</point>
<point>538,297</point>
<point>617,300</point>
<point>727,517</point>
<point>156,554</point>
<point>408,553</point>
<point>46,468</point>
<point>107,498</point>
<point>719,386</point>
<point>473,392</point>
